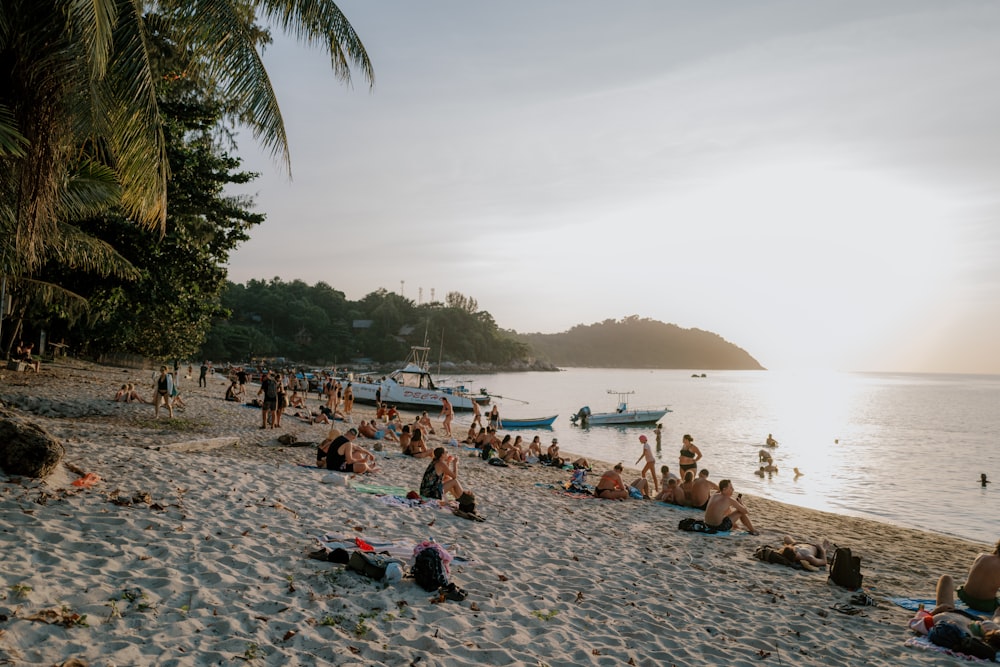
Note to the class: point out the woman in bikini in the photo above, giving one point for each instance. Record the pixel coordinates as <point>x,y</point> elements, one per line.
<point>690,455</point>
<point>417,448</point>
<point>611,485</point>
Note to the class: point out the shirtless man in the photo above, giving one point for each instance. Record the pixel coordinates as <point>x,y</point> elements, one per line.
<point>981,586</point>
<point>701,490</point>
<point>722,506</point>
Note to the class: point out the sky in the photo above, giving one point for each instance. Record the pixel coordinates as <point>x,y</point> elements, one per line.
<point>817,183</point>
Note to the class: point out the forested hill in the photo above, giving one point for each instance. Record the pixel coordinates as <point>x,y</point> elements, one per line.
<point>639,343</point>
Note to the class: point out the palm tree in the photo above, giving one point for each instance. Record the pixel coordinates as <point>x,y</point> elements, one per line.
<point>77,92</point>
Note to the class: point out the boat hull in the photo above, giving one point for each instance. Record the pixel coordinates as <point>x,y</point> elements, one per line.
<point>416,398</point>
<point>623,418</point>
<point>540,422</point>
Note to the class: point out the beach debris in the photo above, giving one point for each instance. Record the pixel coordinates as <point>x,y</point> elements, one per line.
<point>289,635</point>
<point>29,450</point>
<point>63,616</point>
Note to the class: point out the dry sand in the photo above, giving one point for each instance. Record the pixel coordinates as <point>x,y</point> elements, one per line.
<point>198,558</point>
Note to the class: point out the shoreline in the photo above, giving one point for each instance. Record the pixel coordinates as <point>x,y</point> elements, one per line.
<point>219,554</point>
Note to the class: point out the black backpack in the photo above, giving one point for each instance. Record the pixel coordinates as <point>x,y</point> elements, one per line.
<point>270,389</point>
<point>845,569</point>
<point>428,570</point>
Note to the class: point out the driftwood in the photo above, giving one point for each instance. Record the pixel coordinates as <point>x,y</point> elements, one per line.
<point>199,445</point>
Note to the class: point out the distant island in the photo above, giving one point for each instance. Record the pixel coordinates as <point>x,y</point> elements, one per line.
<point>635,342</point>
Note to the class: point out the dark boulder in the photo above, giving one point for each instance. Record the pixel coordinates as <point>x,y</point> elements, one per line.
<point>27,449</point>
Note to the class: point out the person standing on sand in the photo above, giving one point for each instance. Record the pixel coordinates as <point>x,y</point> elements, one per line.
<point>447,413</point>
<point>477,415</point>
<point>981,587</point>
<point>690,455</point>
<point>163,390</point>
<point>203,374</point>
<point>647,453</point>
<point>722,506</point>
<point>269,389</point>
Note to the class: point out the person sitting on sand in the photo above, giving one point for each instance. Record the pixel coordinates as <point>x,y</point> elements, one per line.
<point>296,400</point>
<point>366,430</point>
<point>722,507</point>
<point>647,453</point>
<point>534,448</point>
<point>417,447</point>
<point>515,451</point>
<point>233,392</point>
<point>687,485</point>
<point>553,454</point>
<point>639,488</point>
<point>470,436</point>
<point>814,554</point>
<point>425,423</point>
<point>701,489</point>
<point>405,435</point>
<point>25,356</point>
<point>441,477</point>
<point>672,492</point>
<point>665,475</point>
<point>342,455</point>
<point>611,485</point>
<point>121,396</point>
<point>982,585</point>
<point>133,395</point>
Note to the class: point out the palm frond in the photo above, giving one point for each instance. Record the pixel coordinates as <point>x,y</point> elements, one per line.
<point>12,142</point>
<point>75,249</point>
<point>89,192</point>
<point>94,21</point>
<point>322,22</point>
<point>135,133</point>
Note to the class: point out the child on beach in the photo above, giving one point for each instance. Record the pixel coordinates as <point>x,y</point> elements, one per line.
<point>647,453</point>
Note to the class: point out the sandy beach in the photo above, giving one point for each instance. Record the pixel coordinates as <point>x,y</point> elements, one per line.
<point>201,557</point>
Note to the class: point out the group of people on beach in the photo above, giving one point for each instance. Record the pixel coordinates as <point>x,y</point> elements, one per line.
<point>166,392</point>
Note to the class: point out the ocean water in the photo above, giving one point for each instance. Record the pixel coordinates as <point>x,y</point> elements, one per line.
<point>906,449</point>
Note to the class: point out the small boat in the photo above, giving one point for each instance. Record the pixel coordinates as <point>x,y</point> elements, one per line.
<point>412,387</point>
<point>538,422</point>
<point>623,414</point>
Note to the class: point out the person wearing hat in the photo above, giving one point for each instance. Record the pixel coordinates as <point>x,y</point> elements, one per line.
<point>647,453</point>
<point>690,455</point>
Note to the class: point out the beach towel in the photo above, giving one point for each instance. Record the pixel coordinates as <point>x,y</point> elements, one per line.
<point>913,604</point>
<point>926,645</point>
<point>378,489</point>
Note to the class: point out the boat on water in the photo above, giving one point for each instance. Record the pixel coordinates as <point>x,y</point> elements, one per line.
<point>537,422</point>
<point>623,414</point>
<point>413,387</point>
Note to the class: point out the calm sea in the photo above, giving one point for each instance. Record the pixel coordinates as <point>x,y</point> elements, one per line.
<point>907,449</point>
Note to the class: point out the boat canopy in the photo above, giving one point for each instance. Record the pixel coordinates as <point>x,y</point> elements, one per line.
<point>414,376</point>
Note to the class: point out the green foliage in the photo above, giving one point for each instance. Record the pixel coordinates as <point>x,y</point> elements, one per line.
<point>317,325</point>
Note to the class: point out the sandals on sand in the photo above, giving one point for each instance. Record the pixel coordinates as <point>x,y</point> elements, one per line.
<point>453,592</point>
<point>863,600</point>
<point>846,609</point>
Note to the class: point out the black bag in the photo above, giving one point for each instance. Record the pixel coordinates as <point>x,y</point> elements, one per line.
<point>467,503</point>
<point>767,554</point>
<point>845,569</point>
<point>428,570</point>
<point>370,564</point>
<point>975,647</point>
<point>695,526</point>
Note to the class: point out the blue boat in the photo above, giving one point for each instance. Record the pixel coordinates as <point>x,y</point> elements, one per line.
<point>539,422</point>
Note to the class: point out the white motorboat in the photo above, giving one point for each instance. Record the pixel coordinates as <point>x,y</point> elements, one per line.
<point>413,387</point>
<point>622,416</point>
